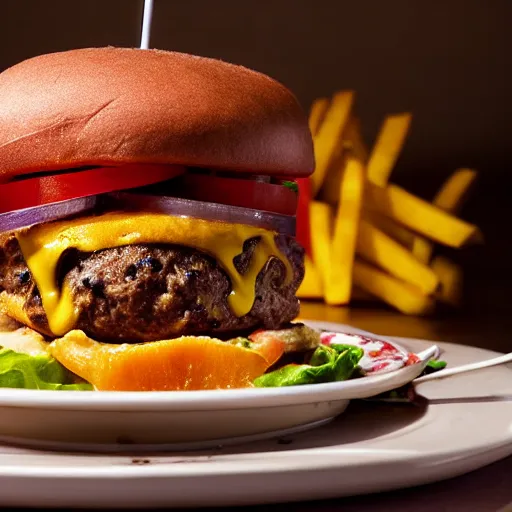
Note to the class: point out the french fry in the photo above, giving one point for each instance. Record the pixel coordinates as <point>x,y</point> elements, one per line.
<point>353,147</point>
<point>311,286</point>
<point>317,114</point>
<point>404,297</point>
<point>381,250</point>
<point>321,232</point>
<point>387,148</point>
<point>353,141</point>
<point>455,191</point>
<point>450,198</point>
<point>339,276</point>
<point>451,278</point>
<point>420,216</point>
<point>327,141</point>
<point>390,227</point>
<point>422,249</point>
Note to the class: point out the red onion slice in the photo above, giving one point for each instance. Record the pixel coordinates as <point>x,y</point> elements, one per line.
<point>127,201</point>
<point>284,224</point>
<point>18,219</point>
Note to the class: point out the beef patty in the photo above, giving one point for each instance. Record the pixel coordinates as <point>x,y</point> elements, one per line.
<point>153,292</point>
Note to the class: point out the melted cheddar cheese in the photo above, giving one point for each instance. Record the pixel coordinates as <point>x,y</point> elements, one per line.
<point>43,246</point>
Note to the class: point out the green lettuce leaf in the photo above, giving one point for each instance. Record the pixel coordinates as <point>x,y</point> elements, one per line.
<point>434,365</point>
<point>327,364</point>
<point>292,185</point>
<point>26,371</point>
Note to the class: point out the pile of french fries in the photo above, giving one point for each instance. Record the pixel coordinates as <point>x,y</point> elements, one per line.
<point>371,239</point>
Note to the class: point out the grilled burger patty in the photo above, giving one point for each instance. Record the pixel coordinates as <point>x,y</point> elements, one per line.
<point>147,292</point>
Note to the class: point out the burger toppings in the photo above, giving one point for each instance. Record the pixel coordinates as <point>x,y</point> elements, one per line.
<point>246,193</point>
<point>327,364</point>
<point>35,200</point>
<point>152,201</point>
<point>378,355</point>
<point>185,363</point>
<point>77,362</point>
<point>296,338</point>
<point>20,370</point>
<point>18,219</point>
<point>25,362</point>
<point>29,191</point>
<point>292,185</point>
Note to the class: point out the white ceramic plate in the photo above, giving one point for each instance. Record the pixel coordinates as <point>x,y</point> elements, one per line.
<point>370,448</point>
<point>114,421</point>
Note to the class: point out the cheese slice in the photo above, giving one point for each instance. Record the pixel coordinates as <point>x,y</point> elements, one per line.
<point>43,246</point>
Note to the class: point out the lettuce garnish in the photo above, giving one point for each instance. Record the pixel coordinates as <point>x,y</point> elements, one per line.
<point>327,364</point>
<point>18,370</point>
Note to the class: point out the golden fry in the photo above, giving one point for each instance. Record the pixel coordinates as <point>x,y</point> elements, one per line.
<point>321,215</point>
<point>327,141</point>
<point>402,296</point>
<point>394,234</point>
<point>450,198</point>
<point>311,286</point>
<point>390,227</point>
<point>420,216</point>
<point>454,192</point>
<point>422,248</point>
<point>339,281</point>
<point>317,114</point>
<point>381,250</point>
<point>387,148</point>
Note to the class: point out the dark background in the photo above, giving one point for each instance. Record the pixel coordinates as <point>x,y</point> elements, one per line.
<point>446,61</point>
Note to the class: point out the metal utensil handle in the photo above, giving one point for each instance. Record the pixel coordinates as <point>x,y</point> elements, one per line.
<point>495,361</point>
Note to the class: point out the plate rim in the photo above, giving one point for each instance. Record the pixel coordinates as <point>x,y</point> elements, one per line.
<point>183,468</point>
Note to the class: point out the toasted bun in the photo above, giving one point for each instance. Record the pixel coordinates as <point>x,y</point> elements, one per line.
<point>109,106</point>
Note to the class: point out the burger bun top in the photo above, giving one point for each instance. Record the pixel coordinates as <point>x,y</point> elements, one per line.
<point>111,106</point>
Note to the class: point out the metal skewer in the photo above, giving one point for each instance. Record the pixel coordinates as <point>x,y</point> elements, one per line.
<point>147,18</point>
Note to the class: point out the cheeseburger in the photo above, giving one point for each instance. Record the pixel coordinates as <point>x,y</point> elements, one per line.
<point>147,218</point>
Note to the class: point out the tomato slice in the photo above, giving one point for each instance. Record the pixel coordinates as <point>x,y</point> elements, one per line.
<point>43,190</point>
<point>303,225</point>
<point>246,193</point>
<point>266,343</point>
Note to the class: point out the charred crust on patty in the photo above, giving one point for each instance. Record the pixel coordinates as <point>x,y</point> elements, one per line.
<point>141,293</point>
